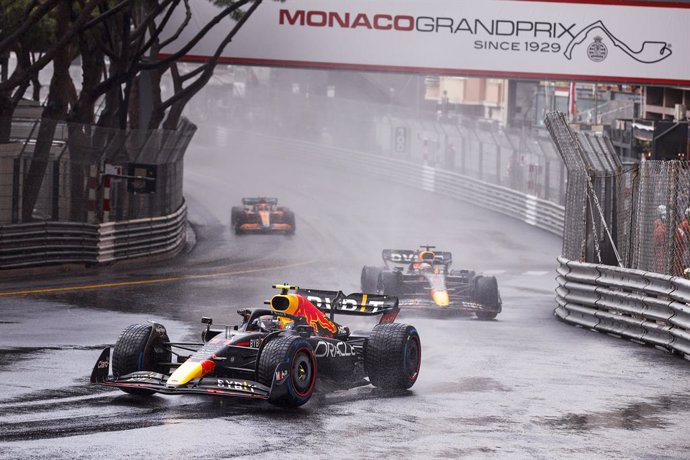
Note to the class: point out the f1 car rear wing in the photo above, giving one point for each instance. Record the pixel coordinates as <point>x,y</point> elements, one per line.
<point>257,200</point>
<point>353,304</point>
<point>407,256</point>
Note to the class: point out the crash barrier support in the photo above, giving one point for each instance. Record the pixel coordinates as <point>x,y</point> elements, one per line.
<point>646,307</point>
<point>529,209</point>
<point>49,243</point>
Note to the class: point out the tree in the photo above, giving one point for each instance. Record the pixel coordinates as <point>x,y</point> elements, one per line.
<point>118,42</point>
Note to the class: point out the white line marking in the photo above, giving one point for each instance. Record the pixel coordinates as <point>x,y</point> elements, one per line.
<point>493,272</point>
<point>536,273</point>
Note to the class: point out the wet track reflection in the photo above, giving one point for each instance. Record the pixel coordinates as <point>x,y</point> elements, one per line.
<point>521,386</point>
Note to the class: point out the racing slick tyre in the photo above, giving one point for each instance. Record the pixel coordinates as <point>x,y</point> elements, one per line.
<point>370,279</point>
<point>299,355</point>
<point>134,352</point>
<point>486,294</point>
<point>392,356</point>
<point>389,283</point>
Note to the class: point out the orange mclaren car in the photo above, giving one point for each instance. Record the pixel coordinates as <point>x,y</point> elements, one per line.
<point>262,215</point>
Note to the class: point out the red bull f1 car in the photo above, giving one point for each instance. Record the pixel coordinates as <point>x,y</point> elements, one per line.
<point>423,277</point>
<point>280,353</point>
<point>262,215</point>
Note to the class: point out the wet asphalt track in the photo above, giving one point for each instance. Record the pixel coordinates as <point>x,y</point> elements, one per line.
<point>524,386</point>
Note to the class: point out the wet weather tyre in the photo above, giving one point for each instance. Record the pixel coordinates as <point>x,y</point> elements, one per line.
<point>134,352</point>
<point>389,283</point>
<point>290,220</point>
<point>370,279</point>
<point>299,355</point>
<point>486,294</point>
<point>393,356</point>
<point>235,217</point>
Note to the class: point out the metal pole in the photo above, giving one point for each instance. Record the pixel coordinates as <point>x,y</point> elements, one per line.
<point>596,104</point>
<point>671,213</point>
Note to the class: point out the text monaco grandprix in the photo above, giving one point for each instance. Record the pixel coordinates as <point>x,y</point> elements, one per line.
<point>407,23</point>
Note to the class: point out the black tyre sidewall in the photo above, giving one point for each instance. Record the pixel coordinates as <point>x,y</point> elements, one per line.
<point>290,219</point>
<point>386,356</point>
<point>235,216</point>
<point>134,352</point>
<point>290,349</point>
<point>370,279</point>
<point>486,294</point>
<point>389,283</point>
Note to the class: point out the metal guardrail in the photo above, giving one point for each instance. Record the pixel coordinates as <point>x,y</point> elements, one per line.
<point>643,306</point>
<point>49,243</point>
<point>527,208</point>
<point>25,245</point>
<point>141,237</point>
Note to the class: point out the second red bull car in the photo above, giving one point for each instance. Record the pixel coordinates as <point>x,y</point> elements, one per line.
<point>423,277</point>
<point>262,215</point>
<point>275,354</point>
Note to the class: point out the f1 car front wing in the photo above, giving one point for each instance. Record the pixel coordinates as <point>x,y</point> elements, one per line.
<point>154,381</point>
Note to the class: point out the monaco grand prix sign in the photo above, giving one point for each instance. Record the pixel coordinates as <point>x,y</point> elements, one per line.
<point>579,40</point>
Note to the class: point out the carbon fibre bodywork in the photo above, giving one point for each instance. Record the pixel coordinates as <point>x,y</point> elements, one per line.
<point>228,361</point>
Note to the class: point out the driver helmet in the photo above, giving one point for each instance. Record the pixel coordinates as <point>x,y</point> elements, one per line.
<point>268,323</point>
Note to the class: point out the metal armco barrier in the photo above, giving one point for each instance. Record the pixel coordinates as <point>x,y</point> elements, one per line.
<point>643,306</point>
<point>48,243</point>
<point>141,237</point>
<point>26,245</point>
<point>529,209</point>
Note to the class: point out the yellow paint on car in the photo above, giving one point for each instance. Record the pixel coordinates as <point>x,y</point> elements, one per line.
<point>441,298</point>
<point>187,371</point>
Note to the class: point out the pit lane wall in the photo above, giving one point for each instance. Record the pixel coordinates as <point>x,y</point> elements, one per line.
<point>643,306</point>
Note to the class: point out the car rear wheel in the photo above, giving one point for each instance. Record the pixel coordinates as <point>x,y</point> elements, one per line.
<point>370,279</point>
<point>389,283</point>
<point>134,352</point>
<point>393,356</point>
<point>298,353</point>
<point>486,294</point>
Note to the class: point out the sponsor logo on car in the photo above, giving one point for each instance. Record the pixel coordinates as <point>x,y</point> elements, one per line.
<point>333,350</point>
<point>236,385</point>
<point>281,375</point>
